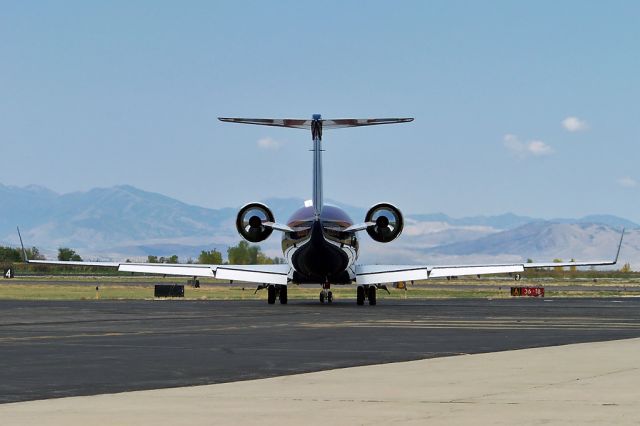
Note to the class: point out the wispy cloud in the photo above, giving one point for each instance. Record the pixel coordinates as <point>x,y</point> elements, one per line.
<point>269,143</point>
<point>520,148</point>
<point>574,124</point>
<point>627,182</point>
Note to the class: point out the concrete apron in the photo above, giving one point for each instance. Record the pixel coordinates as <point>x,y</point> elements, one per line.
<point>595,383</point>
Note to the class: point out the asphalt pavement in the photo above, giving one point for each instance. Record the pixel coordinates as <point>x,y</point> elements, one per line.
<point>52,349</point>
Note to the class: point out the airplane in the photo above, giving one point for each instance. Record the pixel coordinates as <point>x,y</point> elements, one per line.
<point>320,241</point>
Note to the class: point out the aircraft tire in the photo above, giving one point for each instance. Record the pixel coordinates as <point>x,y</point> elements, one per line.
<point>271,294</point>
<point>360,295</point>
<point>322,297</point>
<point>372,295</point>
<point>283,295</point>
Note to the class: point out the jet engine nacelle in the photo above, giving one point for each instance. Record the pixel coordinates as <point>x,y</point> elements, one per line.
<point>389,222</point>
<point>250,219</point>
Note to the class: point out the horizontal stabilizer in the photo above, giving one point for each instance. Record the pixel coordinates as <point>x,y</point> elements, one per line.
<point>341,123</point>
<point>282,122</point>
<point>338,123</point>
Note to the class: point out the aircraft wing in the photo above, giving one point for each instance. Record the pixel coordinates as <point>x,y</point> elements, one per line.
<point>263,274</point>
<point>378,274</point>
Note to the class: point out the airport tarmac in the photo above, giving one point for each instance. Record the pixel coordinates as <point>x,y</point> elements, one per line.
<point>587,383</point>
<point>52,349</point>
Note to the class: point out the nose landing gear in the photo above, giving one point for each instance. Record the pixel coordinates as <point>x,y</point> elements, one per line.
<point>325,294</point>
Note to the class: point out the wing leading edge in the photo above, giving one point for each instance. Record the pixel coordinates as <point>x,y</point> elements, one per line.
<point>378,274</point>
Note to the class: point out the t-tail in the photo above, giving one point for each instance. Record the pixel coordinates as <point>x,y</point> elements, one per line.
<point>317,125</point>
<point>316,135</point>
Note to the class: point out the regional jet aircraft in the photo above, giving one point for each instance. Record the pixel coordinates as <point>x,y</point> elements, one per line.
<point>320,241</point>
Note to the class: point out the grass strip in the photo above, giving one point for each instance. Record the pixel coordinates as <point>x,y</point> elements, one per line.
<point>114,291</point>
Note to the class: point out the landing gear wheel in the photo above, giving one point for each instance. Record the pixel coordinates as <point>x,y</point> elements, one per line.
<point>271,294</point>
<point>372,295</point>
<point>322,297</point>
<point>360,295</point>
<point>283,295</point>
<point>330,297</point>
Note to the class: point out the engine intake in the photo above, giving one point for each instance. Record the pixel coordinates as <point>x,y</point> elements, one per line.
<point>249,222</point>
<point>389,222</point>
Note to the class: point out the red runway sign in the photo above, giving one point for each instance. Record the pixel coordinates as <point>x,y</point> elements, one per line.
<point>527,291</point>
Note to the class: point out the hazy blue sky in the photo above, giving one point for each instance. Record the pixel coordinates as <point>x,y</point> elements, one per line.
<point>531,108</point>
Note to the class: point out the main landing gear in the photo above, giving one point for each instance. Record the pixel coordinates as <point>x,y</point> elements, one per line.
<point>325,294</point>
<point>274,291</point>
<point>369,292</point>
<point>366,292</point>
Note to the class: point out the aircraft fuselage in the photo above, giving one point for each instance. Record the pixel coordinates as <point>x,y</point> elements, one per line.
<point>319,250</point>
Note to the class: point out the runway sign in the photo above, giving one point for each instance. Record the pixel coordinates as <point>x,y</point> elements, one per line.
<point>527,291</point>
<point>7,273</point>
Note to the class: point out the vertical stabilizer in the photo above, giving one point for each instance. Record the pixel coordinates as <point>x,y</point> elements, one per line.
<point>316,134</point>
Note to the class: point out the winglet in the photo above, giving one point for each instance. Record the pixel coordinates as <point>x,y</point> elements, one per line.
<point>619,247</point>
<point>24,252</point>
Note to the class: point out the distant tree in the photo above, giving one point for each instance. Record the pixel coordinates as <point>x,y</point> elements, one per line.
<point>8,254</point>
<point>34,254</point>
<point>172,259</point>
<point>253,252</point>
<point>245,254</point>
<point>557,268</point>
<point>529,260</point>
<point>152,259</point>
<point>66,254</point>
<point>238,255</point>
<point>573,269</point>
<point>210,257</point>
<point>263,259</point>
<point>626,268</point>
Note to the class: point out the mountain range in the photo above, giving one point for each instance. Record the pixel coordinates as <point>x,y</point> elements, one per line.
<point>127,222</point>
